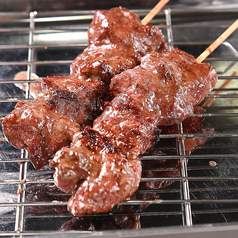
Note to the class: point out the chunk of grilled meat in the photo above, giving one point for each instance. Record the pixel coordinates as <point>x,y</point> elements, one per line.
<point>98,173</point>
<point>158,168</point>
<point>163,90</point>
<point>120,26</point>
<point>173,84</point>
<point>35,127</point>
<point>76,98</point>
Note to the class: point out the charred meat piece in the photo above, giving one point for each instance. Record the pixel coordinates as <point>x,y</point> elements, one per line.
<point>178,84</point>
<point>158,168</point>
<point>129,124</point>
<point>119,26</point>
<point>103,62</point>
<point>117,40</point>
<point>101,175</point>
<point>80,95</point>
<point>33,126</point>
<point>76,98</point>
<point>163,90</point>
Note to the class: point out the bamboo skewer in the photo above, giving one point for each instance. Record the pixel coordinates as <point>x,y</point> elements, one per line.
<point>217,42</point>
<point>211,48</point>
<point>153,12</point>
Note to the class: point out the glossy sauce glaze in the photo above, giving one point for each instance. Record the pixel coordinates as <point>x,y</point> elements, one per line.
<point>163,90</point>
<point>117,40</point>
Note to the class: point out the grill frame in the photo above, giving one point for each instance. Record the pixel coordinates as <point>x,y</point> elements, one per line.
<point>184,179</point>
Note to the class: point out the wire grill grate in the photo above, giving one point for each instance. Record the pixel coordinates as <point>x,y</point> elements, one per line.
<point>202,190</point>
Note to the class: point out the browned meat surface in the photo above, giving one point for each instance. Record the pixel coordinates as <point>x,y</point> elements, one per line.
<point>97,173</point>
<point>158,168</point>
<point>163,90</point>
<point>173,84</point>
<point>129,124</point>
<point>117,41</point>
<point>103,62</point>
<point>160,91</point>
<point>81,94</point>
<point>120,26</point>
<point>61,94</point>
<point>33,126</point>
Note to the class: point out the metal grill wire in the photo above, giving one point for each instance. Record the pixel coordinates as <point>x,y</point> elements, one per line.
<point>187,218</point>
<point>200,191</point>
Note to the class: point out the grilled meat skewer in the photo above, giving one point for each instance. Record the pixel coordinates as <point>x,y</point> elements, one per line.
<point>117,41</point>
<point>102,168</point>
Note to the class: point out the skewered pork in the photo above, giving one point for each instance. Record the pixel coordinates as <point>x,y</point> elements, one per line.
<point>106,169</point>
<point>117,40</point>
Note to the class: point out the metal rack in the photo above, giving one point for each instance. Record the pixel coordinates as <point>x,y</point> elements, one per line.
<point>204,193</point>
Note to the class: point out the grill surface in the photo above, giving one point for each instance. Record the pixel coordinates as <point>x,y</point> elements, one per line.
<point>203,195</point>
